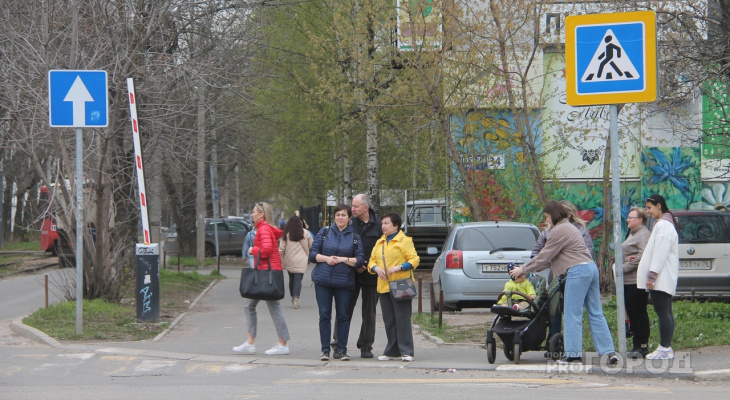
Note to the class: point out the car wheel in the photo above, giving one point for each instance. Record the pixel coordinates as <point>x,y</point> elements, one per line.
<point>491,351</point>
<point>209,250</point>
<point>555,346</point>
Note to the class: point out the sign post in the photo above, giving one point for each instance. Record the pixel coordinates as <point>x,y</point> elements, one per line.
<point>611,59</point>
<point>78,99</point>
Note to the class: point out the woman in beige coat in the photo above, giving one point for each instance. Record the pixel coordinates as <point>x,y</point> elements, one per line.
<point>294,247</point>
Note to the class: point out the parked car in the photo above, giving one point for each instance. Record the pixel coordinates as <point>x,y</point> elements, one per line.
<point>472,267</point>
<point>231,233</point>
<point>704,254</point>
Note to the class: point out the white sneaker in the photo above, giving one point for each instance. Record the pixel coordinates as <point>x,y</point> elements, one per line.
<point>277,350</point>
<point>661,353</point>
<point>387,358</point>
<point>245,348</point>
<point>407,358</point>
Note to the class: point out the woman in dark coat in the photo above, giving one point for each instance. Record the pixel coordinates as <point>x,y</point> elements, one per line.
<point>338,252</point>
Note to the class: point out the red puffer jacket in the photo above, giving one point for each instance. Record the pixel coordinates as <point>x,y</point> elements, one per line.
<point>266,245</point>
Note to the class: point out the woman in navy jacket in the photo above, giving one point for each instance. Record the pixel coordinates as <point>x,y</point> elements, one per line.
<point>338,252</point>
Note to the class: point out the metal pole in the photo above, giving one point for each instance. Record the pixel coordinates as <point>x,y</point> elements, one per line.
<point>420,295</point>
<point>79,230</point>
<point>616,202</point>
<point>214,194</point>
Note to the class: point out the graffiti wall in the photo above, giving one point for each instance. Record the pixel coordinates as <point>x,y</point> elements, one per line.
<point>681,153</point>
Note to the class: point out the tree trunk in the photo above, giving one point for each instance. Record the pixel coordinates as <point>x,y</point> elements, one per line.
<point>603,259</point>
<point>371,151</point>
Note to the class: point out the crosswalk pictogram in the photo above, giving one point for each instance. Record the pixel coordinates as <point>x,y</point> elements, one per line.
<point>610,62</point>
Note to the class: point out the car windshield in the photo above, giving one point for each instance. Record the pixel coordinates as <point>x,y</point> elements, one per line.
<point>703,229</point>
<point>491,238</point>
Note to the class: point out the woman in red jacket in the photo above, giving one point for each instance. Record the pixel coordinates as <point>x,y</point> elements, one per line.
<point>265,249</point>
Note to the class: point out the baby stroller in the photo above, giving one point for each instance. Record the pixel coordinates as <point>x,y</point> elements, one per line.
<point>525,330</point>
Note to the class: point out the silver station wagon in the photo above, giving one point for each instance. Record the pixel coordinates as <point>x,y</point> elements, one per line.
<point>472,267</point>
<point>704,254</point>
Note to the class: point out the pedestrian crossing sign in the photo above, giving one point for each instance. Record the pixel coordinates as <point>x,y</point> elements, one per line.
<point>611,58</point>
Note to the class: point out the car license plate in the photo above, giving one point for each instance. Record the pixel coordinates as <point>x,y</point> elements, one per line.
<point>494,267</point>
<point>695,264</point>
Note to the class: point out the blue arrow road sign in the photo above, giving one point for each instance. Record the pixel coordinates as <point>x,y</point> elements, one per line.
<point>77,99</point>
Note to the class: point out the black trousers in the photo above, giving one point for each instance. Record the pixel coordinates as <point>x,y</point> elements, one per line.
<point>397,319</point>
<point>636,300</point>
<point>369,306</point>
<point>663,306</point>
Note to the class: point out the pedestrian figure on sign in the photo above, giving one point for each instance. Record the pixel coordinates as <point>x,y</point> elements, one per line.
<point>609,54</point>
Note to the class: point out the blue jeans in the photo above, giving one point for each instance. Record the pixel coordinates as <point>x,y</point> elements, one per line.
<point>324,302</point>
<point>582,289</point>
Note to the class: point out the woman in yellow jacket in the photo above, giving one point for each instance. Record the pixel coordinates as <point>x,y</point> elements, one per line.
<point>395,256</point>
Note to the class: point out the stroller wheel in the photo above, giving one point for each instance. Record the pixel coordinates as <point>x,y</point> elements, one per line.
<point>516,352</point>
<point>508,351</point>
<point>555,346</point>
<point>491,351</point>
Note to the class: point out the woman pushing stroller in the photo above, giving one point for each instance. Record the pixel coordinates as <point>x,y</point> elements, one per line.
<point>565,252</point>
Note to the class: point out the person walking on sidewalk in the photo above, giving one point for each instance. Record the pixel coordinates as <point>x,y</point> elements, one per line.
<point>393,258</point>
<point>658,272</point>
<point>337,250</point>
<point>266,250</point>
<point>367,225</point>
<point>294,248</point>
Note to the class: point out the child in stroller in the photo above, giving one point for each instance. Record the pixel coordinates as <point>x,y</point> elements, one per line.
<point>523,329</point>
<point>517,285</point>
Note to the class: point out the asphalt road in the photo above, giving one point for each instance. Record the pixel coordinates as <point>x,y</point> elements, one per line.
<point>22,294</point>
<point>33,371</point>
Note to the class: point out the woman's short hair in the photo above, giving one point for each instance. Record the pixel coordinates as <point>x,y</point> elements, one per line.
<point>556,211</point>
<point>394,219</point>
<point>641,213</point>
<point>341,207</point>
<point>572,212</point>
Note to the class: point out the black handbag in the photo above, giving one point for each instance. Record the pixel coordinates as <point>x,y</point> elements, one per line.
<point>262,284</point>
<point>401,289</point>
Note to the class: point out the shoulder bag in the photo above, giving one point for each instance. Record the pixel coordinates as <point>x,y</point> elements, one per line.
<point>262,284</point>
<point>400,289</point>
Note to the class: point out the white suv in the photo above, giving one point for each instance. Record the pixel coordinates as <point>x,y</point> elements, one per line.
<point>704,254</point>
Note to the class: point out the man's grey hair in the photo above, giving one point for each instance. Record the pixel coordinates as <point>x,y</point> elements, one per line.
<point>365,200</point>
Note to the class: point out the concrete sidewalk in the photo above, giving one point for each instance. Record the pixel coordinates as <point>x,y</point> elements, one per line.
<point>215,323</point>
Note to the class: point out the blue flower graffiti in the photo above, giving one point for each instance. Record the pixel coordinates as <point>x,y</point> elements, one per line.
<point>672,172</point>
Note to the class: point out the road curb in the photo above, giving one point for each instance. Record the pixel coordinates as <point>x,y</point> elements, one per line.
<point>31,333</point>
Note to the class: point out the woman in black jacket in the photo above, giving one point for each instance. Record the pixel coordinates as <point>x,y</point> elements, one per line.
<point>338,252</point>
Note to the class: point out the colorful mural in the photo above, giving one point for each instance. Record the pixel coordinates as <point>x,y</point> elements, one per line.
<point>490,149</point>
<point>715,128</point>
<point>715,196</point>
<point>673,172</point>
<point>658,153</point>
